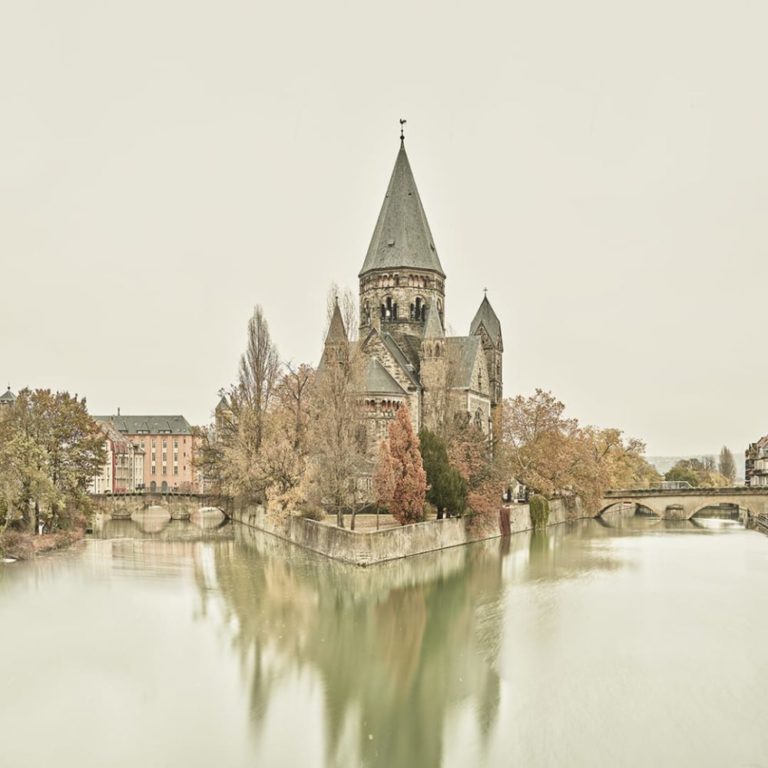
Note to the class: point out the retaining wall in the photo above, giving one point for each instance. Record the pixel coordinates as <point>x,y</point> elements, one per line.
<point>369,547</point>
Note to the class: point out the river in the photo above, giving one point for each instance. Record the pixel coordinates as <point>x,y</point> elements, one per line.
<point>629,643</point>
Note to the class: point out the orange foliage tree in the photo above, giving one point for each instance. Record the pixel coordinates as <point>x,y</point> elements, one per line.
<point>400,479</point>
<point>471,453</point>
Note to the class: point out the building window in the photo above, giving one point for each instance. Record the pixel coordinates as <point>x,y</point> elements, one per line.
<point>165,470</point>
<point>154,469</point>
<point>175,470</point>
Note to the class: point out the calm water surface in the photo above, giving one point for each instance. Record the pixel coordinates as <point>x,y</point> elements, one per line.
<point>642,643</point>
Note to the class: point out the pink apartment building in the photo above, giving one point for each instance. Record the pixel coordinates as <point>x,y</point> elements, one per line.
<point>168,446</point>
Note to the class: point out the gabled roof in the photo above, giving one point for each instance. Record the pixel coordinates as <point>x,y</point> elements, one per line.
<point>118,438</point>
<point>461,352</point>
<point>400,357</point>
<point>8,396</point>
<point>380,381</point>
<point>150,425</point>
<point>223,404</point>
<point>402,238</point>
<point>486,317</point>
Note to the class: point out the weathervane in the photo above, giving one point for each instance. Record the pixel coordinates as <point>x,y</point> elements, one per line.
<point>485,292</point>
<point>402,123</point>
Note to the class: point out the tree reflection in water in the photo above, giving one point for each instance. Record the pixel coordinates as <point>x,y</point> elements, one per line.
<point>397,646</point>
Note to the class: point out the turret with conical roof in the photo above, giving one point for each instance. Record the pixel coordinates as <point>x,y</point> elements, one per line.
<point>486,325</point>
<point>336,347</point>
<point>401,277</point>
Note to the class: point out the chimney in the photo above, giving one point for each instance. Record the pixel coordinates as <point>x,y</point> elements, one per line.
<point>118,411</point>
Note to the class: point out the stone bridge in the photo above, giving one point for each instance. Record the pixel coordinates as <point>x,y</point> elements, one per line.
<point>684,503</point>
<point>180,506</point>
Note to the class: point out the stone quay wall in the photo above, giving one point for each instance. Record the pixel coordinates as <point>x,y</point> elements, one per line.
<point>370,547</point>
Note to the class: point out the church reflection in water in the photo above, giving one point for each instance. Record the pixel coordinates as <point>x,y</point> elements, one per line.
<point>396,647</point>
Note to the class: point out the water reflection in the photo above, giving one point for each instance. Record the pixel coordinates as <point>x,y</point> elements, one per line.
<point>397,647</point>
<point>156,524</point>
<point>568,646</point>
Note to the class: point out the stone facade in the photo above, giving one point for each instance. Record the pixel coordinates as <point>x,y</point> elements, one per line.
<point>756,463</point>
<point>402,319</point>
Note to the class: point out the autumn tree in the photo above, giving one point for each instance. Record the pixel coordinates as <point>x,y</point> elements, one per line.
<point>404,484</point>
<point>551,453</point>
<point>337,434</point>
<point>259,372</point>
<point>472,454</point>
<point>285,447</point>
<point>50,449</point>
<point>384,478</point>
<point>231,452</point>
<point>727,465</point>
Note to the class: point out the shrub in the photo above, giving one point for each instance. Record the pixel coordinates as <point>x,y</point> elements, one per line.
<point>17,544</point>
<point>539,511</point>
<point>312,512</point>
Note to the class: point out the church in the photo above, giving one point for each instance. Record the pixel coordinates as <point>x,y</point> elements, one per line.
<point>407,357</point>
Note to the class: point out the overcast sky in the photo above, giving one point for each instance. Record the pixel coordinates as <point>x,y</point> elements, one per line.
<point>601,167</point>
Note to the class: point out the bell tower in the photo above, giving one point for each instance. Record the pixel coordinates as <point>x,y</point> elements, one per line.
<point>401,280</point>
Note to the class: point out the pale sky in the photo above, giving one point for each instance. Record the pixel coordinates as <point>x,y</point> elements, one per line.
<point>600,166</point>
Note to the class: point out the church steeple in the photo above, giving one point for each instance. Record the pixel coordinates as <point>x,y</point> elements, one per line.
<point>402,238</point>
<point>401,279</point>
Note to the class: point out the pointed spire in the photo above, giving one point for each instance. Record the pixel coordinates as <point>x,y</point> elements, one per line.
<point>402,238</point>
<point>433,328</point>
<point>486,317</point>
<point>336,330</point>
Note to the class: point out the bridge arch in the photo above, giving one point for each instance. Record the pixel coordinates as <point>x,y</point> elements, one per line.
<point>724,510</point>
<point>648,508</point>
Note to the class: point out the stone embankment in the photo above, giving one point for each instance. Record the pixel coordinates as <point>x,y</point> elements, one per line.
<point>370,547</point>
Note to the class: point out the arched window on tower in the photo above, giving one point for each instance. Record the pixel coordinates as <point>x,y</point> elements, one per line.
<point>417,312</point>
<point>423,312</point>
<point>388,310</point>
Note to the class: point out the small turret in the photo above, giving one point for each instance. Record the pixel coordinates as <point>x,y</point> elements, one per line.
<point>486,325</point>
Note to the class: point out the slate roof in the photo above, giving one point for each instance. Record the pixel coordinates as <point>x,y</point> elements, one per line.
<point>151,425</point>
<point>336,330</point>
<point>380,381</point>
<point>461,352</point>
<point>402,238</point>
<point>487,317</point>
<point>8,396</point>
<point>118,438</point>
<point>433,328</point>
<point>400,357</point>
